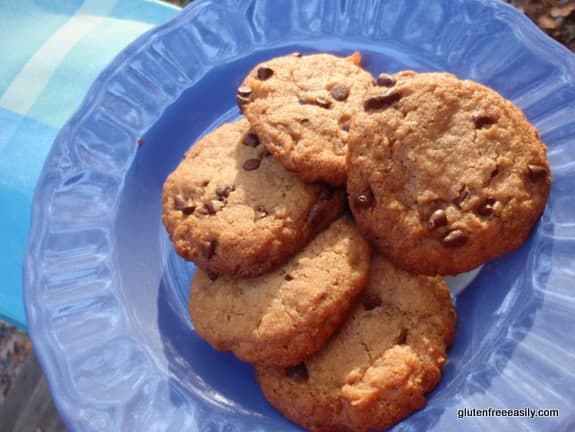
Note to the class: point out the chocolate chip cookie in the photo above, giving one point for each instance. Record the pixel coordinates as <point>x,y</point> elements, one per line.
<point>283,316</point>
<point>232,209</point>
<point>300,107</point>
<point>444,174</point>
<point>378,367</point>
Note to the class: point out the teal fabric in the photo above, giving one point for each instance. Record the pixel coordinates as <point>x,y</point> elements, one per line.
<point>51,50</point>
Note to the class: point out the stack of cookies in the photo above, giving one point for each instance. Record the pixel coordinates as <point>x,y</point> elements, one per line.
<point>322,222</point>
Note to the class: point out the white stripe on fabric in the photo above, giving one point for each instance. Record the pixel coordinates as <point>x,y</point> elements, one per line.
<point>27,86</point>
<point>163,3</point>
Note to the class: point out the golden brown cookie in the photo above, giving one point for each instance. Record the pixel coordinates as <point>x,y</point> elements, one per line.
<point>300,107</point>
<point>378,367</point>
<point>232,209</point>
<point>283,316</point>
<point>444,174</point>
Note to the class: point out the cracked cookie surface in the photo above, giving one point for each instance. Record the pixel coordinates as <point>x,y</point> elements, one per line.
<point>444,174</point>
<point>378,367</point>
<point>232,209</point>
<point>300,106</point>
<point>283,316</point>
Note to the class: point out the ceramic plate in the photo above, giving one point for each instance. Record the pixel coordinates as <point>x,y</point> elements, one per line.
<point>106,295</point>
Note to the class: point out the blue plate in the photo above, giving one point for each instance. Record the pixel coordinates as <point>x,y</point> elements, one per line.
<point>106,296</point>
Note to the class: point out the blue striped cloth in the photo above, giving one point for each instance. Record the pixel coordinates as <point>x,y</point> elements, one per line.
<point>51,51</point>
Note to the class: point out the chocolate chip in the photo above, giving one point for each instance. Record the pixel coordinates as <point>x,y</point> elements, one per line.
<point>298,372</point>
<point>486,207</point>
<point>322,102</point>
<point>344,121</point>
<point>288,277</point>
<point>463,195</point>
<point>482,121</point>
<point>296,54</point>
<point>364,199</point>
<point>371,301</point>
<point>536,172</point>
<point>223,191</point>
<point>264,73</point>
<point>213,276</point>
<point>385,80</point>
<point>315,215</point>
<point>244,91</point>
<point>185,205</point>
<point>437,219</point>
<point>260,213</point>
<point>209,208</point>
<point>251,140</point>
<point>455,238</point>
<point>179,202</point>
<point>326,193</point>
<point>339,92</point>
<point>209,248</point>
<point>402,337</point>
<point>187,211</point>
<point>382,101</point>
<point>241,101</point>
<point>251,164</point>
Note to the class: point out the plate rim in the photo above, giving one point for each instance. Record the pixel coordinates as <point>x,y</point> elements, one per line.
<point>45,353</point>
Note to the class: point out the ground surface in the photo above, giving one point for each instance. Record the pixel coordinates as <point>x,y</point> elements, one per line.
<point>555,17</point>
